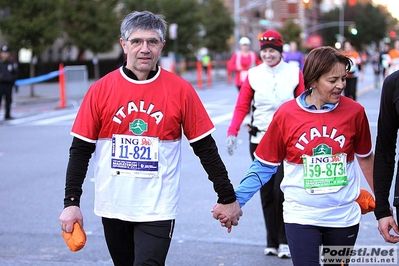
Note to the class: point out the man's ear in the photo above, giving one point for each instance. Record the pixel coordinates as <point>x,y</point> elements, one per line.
<point>123,44</point>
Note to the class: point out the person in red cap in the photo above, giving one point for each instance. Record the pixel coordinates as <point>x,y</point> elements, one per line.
<point>266,87</point>
<point>243,60</point>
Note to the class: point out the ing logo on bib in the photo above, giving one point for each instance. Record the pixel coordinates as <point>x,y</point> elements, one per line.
<point>138,127</point>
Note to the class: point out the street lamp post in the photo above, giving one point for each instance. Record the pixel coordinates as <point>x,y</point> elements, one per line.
<point>236,22</point>
<point>342,21</point>
<point>173,36</point>
<point>269,13</point>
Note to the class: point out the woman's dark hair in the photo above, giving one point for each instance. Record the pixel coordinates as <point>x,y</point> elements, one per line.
<point>320,61</point>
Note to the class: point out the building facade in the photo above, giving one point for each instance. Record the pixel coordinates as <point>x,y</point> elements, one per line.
<point>255,16</point>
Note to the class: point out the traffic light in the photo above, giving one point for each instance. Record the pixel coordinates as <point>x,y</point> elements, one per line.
<point>307,3</point>
<point>352,2</point>
<point>392,34</point>
<point>352,29</point>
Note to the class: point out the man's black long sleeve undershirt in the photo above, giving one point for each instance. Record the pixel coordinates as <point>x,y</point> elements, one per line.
<point>80,153</point>
<point>207,152</point>
<point>79,156</point>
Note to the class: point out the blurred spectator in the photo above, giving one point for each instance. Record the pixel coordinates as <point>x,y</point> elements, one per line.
<point>375,61</point>
<point>384,60</point>
<point>8,75</point>
<point>353,74</point>
<point>206,59</point>
<point>293,56</point>
<point>242,61</point>
<point>393,58</point>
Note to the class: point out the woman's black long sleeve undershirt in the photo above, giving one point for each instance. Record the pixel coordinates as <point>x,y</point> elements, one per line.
<point>80,153</point>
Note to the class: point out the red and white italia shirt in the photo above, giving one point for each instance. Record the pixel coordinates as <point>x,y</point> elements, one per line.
<point>137,127</point>
<point>296,131</point>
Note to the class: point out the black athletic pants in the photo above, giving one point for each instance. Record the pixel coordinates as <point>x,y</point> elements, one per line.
<point>272,199</point>
<point>138,243</point>
<point>351,88</point>
<point>6,91</point>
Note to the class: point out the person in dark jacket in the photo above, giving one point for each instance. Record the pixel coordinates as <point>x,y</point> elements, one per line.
<point>384,162</point>
<point>8,75</point>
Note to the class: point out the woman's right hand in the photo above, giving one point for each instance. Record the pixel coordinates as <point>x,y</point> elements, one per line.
<point>231,144</point>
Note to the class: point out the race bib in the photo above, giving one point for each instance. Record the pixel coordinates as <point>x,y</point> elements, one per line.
<point>324,173</point>
<point>134,156</point>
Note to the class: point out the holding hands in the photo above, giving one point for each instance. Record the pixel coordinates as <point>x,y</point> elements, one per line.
<point>227,214</point>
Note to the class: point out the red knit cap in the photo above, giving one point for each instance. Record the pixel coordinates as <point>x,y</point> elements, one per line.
<point>271,39</point>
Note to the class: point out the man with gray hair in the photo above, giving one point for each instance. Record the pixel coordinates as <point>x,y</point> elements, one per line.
<point>133,120</point>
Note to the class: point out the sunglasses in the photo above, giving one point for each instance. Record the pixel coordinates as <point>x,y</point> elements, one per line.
<point>269,39</point>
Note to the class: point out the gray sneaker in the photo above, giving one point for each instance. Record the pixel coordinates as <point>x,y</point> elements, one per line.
<point>270,251</point>
<point>284,251</point>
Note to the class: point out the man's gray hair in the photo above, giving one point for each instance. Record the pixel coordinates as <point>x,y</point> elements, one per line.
<point>143,20</point>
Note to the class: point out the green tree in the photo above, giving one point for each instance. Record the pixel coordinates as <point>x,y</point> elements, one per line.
<point>370,23</point>
<point>218,25</point>
<point>291,32</point>
<point>211,17</point>
<point>392,22</point>
<point>185,13</point>
<point>91,25</point>
<point>33,24</point>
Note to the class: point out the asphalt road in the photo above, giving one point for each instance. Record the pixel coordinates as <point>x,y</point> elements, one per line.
<point>33,158</point>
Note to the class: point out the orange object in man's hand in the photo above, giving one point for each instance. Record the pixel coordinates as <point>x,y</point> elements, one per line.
<point>75,240</point>
<point>365,201</point>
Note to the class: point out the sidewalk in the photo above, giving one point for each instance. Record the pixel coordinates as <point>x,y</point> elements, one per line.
<point>46,92</point>
<point>47,95</point>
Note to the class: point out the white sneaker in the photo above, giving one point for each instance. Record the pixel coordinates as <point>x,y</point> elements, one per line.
<point>270,252</point>
<point>283,251</point>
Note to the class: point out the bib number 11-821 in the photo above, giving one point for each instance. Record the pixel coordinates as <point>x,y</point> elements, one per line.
<point>134,156</point>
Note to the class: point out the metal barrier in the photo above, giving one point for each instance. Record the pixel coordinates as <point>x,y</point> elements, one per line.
<point>73,82</point>
<point>215,72</point>
<point>76,81</point>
